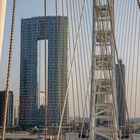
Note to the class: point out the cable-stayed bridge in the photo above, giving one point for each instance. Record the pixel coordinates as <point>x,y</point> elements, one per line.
<point>90,61</point>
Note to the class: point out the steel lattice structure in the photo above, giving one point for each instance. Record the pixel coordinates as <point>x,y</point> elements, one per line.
<point>103,89</point>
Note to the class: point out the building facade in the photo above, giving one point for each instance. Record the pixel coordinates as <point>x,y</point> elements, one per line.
<point>9,121</point>
<point>53,29</point>
<point>16,112</point>
<point>120,88</point>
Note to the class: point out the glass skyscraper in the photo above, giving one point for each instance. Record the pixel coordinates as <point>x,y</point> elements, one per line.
<point>120,88</point>
<point>53,29</point>
<point>9,122</point>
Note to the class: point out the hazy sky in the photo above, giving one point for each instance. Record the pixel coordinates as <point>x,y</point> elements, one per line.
<point>25,9</point>
<point>125,30</point>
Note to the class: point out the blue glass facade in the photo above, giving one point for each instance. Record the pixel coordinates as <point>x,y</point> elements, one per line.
<point>120,85</point>
<point>9,121</point>
<point>55,30</point>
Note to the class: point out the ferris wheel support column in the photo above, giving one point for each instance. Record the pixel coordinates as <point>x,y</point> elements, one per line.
<point>92,102</point>
<point>2,19</point>
<point>103,106</point>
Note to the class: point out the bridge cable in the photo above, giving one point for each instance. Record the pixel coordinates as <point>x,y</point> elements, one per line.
<point>73,58</point>
<point>137,73</point>
<point>45,60</point>
<point>120,73</point>
<point>9,71</point>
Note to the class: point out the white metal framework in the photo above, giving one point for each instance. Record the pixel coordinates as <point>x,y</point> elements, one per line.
<point>103,84</point>
<point>138,3</point>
